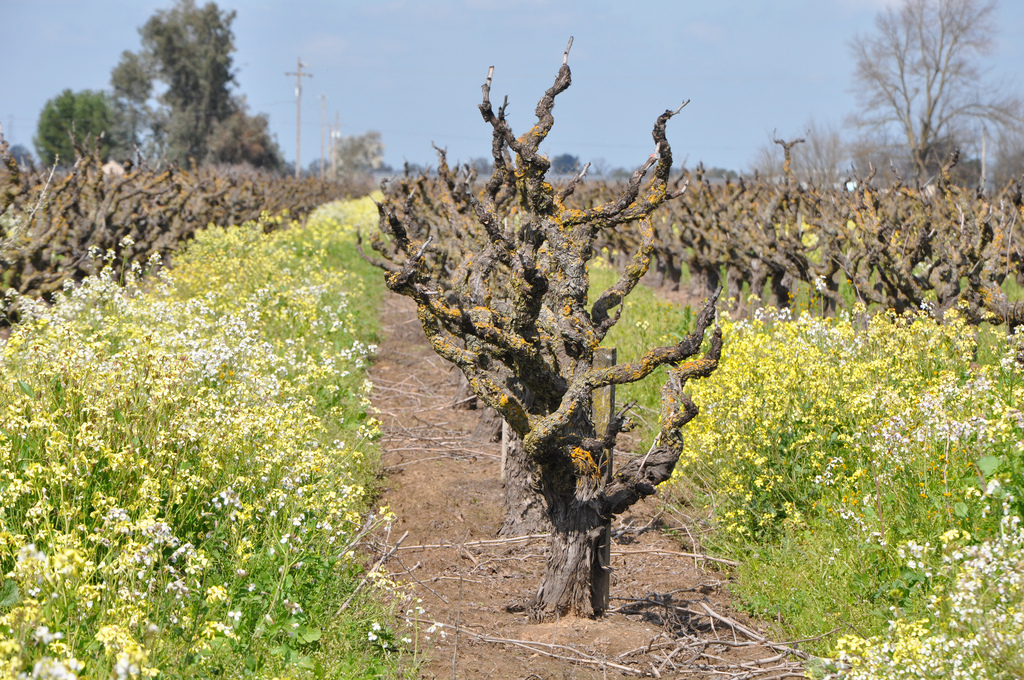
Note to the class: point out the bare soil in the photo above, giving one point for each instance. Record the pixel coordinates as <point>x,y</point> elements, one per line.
<point>671,614</point>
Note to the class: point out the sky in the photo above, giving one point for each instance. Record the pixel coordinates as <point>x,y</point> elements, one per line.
<point>413,70</point>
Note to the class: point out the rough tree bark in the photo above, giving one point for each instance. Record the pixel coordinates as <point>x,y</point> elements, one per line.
<point>505,298</point>
<point>525,508</point>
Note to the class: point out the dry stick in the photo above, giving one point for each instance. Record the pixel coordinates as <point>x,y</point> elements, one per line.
<point>582,657</point>
<point>637,650</point>
<point>451,454</point>
<point>42,196</point>
<point>747,671</point>
<point>458,627</point>
<point>377,566</point>
<point>530,537</point>
<point>749,633</point>
<point>531,646</point>
<point>490,541</point>
<point>452,578</point>
<point>399,466</point>
<point>370,521</point>
<point>409,571</point>
<point>735,626</point>
<point>656,551</point>
<point>668,659</point>
<point>385,388</point>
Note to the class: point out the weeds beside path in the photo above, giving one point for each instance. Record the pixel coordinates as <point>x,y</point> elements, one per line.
<point>670,615</point>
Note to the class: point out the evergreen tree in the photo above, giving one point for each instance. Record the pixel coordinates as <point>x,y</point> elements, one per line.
<point>190,51</point>
<point>73,115</point>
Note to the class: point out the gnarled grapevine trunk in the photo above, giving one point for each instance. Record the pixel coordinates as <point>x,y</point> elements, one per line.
<point>502,290</point>
<point>574,562</point>
<point>525,507</point>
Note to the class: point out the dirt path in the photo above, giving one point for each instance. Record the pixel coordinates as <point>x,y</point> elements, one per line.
<point>670,617</point>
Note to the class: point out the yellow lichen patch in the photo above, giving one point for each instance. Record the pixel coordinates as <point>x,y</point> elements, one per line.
<point>696,367</point>
<point>583,463</point>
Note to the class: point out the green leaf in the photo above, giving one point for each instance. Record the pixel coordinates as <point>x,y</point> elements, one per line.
<point>960,509</point>
<point>989,464</point>
<point>27,389</point>
<point>308,635</point>
<point>118,416</point>
<point>9,594</point>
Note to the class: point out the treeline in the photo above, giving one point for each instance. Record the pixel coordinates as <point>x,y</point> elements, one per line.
<point>60,226</point>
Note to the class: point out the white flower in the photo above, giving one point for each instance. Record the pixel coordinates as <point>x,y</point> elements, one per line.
<point>55,670</point>
<point>43,635</point>
<point>125,667</point>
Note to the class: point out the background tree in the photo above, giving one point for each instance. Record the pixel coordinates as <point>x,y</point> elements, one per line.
<point>1009,158</point>
<point>482,166</point>
<point>244,139</point>
<point>359,154</point>
<point>82,115</point>
<point>132,86</point>
<point>504,296</point>
<point>565,164</point>
<point>188,48</point>
<point>22,156</point>
<point>918,76</point>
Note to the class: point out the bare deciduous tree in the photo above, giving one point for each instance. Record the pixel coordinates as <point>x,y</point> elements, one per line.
<point>359,154</point>
<point>503,295</point>
<point>919,74</point>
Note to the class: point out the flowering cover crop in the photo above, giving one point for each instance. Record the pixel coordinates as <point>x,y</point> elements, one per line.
<point>847,459</point>
<point>975,630</point>
<point>183,461</point>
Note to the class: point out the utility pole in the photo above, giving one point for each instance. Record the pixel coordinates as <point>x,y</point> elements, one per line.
<point>335,137</point>
<point>323,120</point>
<point>984,159</point>
<point>299,75</point>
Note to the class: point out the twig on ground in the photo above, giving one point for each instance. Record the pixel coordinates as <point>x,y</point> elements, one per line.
<point>541,647</point>
<point>655,551</point>
<point>377,566</point>
<point>751,634</point>
<point>409,571</point>
<point>489,541</point>
<point>458,627</point>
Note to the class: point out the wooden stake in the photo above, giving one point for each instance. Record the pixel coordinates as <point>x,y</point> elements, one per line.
<point>604,411</point>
